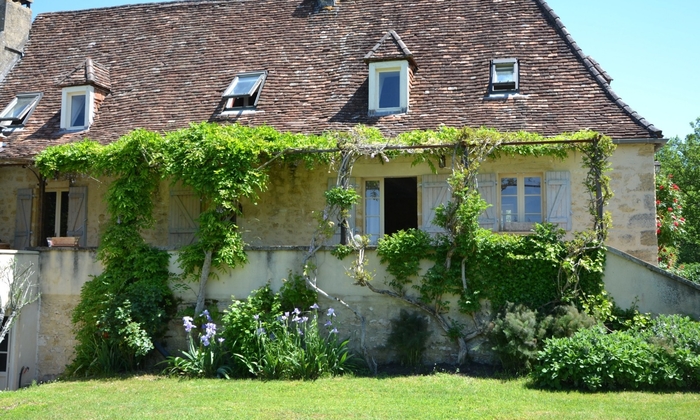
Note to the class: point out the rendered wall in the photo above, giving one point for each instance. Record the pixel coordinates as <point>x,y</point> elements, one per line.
<point>22,355</point>
<point>632,281</point>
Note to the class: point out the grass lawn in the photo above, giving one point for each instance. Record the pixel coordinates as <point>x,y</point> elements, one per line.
<point>432,396</point>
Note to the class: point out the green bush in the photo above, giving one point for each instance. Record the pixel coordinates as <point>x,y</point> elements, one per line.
<point>516,334</point>
<point>296,294</point>
<point>664,355</point>
<point>408,337</point>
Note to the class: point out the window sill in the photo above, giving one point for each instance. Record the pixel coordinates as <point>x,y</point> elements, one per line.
<point>239,112</point>
<point>73,130</point>
<point>504,96</point>
<point>387,112</point>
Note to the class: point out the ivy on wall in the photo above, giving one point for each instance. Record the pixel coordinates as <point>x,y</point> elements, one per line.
<point>224,163</point>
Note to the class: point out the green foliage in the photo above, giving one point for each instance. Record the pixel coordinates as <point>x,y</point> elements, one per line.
<point>664,355</point>
<point>517,334</point>
<point>344,198</point>
<point>402,252</point>
<point>296,294</point>
<point>681,158</point>
<point>408,337</point>
<point>670,223</point>
<point>268,343</point>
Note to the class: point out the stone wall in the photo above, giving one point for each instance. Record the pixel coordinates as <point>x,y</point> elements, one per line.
<point>15,21</point>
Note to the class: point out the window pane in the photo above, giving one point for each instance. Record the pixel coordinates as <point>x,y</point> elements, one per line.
<point>20,107</point>
<point>533,218</point>
<point>389,95</point>
<point>244,85</point>
<point>505,73</point>
<point>509,186</point>
<point>372,211</point>
<point>533,185</point>
<point>533,204</point>
<point>77,111</point>
<point>509,209</point>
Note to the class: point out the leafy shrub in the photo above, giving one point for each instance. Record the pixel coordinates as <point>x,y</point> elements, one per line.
<point>664,355</point>
<point>120,313</point>
<point>206,356</point>
<point>688,271</point>
<point>516,334</point>
<point>408,337</point>
<point>295,294</point>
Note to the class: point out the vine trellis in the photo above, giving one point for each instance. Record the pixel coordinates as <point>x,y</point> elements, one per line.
<point>224,163</point>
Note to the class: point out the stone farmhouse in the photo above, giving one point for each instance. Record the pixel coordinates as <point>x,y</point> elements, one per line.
<point>302,66</point>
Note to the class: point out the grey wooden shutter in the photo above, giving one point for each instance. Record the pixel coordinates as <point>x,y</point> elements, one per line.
<point>185,207</point>
<point>487,189</point>
<point>77,214</point>
<point>559,198</point>
<point>436,191</point>
<point>335,240</point>
<point>23,220</point>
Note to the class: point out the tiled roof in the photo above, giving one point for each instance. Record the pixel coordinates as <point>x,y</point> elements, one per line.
<point>87,73</point>
<point>390,47</point>
<point>167,64</point>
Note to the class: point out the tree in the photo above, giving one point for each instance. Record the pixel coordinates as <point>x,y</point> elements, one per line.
<point>681,160</point>
<point>17,290</point>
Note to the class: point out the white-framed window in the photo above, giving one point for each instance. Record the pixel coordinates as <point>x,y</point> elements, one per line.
<point>77,107</point>
<point>389,205</point>
<point>504,75</point>
<point>388,87</point>
<point>19,109</point>
<point>518,200</point>
<point>244,90</point>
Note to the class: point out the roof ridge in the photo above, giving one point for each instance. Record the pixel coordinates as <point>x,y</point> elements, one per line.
<point>162,3</point>
<point>595,69</point>
<point>404,52</point>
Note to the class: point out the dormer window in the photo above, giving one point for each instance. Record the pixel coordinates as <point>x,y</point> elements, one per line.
<point>504,75</point>
<point>77,107</point>
<point>244,90</point>
<point>388,87</point>
<point>19,109</point>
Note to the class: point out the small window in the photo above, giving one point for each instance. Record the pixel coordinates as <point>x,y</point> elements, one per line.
<point>504,75</point>
<point>77,107</point>
<point>388,87</point>
<point>244,90</point>
<point>521,202</point>
<point>18,111</point>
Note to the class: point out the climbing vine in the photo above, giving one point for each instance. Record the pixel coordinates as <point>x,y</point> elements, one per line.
<point>225,163</point>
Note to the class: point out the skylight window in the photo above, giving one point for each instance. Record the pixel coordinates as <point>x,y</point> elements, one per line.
<point>244,90</point>
<point>504,75</point>
<point>19,109</point>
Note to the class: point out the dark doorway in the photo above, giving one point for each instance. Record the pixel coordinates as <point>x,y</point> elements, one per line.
<point>400,204</point>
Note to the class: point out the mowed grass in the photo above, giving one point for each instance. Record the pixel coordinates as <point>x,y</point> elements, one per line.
<point>426,397</point>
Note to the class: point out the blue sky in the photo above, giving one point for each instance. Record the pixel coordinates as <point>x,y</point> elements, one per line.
<point>651,48</point>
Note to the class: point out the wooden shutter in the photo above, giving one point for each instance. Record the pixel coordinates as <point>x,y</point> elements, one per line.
<point>185,207</point>
<point>559,198</point>
<point>335,240</point>
<point>77,214</point>
<point>23,220</point>
<point>436,191</point>
<point>487,189</point>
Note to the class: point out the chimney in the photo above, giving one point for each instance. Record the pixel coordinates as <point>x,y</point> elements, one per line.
<point>15,22</point>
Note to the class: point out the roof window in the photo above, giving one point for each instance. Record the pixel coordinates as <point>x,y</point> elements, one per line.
<point>77,109</point>
<point>388,87</point>
<point>504,75</point>
<point>19,109</point>
<point>244,90</point>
